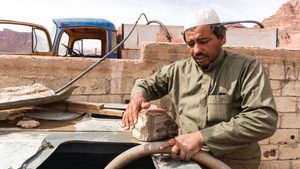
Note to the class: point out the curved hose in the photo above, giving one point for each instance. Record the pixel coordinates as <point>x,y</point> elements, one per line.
<point>143,150</point>
<point>168,36</point>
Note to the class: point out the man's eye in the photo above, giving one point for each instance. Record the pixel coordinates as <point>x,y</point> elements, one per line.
<point>191,44</point>
<point>204,41</point>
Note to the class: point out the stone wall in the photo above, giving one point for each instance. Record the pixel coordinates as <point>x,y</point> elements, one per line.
<point>282,150</point>
<point>111,81</point>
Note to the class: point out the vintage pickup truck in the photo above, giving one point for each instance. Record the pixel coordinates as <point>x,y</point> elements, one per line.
<point>85,37</point>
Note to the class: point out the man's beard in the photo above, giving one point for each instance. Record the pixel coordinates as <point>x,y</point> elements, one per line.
<point>198,59</point>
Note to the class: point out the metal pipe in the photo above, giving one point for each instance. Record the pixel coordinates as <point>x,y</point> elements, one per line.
<point>168,36</point>
<point>246,21</point>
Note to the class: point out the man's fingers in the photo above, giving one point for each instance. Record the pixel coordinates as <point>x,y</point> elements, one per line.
<point>183,154</point>
<point>127,119</point>
<point>175,150</point>
<point>131,113</point>
<point>168,144</point>
<point>188,156</point>
<point>133,117</point>
<point>125,122</point>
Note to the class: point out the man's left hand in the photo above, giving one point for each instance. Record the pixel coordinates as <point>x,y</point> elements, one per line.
<point>185,145</point>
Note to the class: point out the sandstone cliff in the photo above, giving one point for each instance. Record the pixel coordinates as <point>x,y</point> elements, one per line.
<point>287,20</point>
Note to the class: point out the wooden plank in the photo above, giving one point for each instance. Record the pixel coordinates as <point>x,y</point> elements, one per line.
<point>111,112</point>
<point>119,106</point>
<point>88,107</point>
<point>9,114</point>
<point>76,106</point>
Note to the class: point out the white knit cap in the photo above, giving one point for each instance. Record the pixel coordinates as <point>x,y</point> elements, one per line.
<point>201,17</point>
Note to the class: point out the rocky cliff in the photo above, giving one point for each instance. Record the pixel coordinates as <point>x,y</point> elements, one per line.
<point>287,20</point>
<point>12,41</point>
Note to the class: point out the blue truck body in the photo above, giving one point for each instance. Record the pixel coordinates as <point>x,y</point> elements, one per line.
<point>62,24</point>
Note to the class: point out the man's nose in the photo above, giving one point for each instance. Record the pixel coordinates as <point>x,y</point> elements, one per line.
<point>198,49</point>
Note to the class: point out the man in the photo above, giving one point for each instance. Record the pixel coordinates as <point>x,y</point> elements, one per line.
<point>224,100</point>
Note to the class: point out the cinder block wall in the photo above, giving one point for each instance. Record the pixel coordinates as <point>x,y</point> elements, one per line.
<point>111,81</point>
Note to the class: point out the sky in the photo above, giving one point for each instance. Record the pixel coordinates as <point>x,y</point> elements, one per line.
<point>169,12</point>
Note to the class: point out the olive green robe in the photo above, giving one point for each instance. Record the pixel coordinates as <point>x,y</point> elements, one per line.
<point>231,103</point>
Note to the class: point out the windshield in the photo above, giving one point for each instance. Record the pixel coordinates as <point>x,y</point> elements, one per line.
<point>88,47</point>
<point>22,39</point>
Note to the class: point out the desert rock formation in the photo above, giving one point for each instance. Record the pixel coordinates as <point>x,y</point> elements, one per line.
<point>287,20</point>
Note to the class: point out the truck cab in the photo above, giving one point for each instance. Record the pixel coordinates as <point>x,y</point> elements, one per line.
<point>79,37</point>
<point>89,37</point>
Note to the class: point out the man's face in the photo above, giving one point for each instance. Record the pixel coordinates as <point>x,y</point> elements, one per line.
<point>203,44</point>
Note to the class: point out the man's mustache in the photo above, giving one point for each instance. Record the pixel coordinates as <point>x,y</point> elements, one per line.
<point>199,56</point>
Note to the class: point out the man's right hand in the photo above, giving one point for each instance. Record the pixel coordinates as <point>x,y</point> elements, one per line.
<point>136,104</point>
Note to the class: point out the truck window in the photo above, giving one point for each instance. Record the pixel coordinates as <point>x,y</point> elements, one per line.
<point>62,51</point>
<point>89,47</point>
<point>15,39</point>
<point>40,41</point>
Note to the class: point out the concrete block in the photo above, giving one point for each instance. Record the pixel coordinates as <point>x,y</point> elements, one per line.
<point>295,164</point>
<point>285,136</point>
<point>289,152</point>
<point>92,86</point>
<point>276,164</point>
<point>291,71</point>
<point>247,37</point>
<point>277,71</point>
<point>286,104</point>
<point>121,85</point>
<point>276,87</point>
<point>149,33</point>
<point>290,120</point>
<point>291,88</point>
<point>269,152</point>
<point>266,67</point>
<point>105,98</point>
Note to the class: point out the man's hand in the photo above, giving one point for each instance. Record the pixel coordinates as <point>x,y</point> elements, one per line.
<point>185,145</point>
<point>136,104</point>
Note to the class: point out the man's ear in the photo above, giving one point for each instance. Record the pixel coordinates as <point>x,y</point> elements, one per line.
<point>223,39</point>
